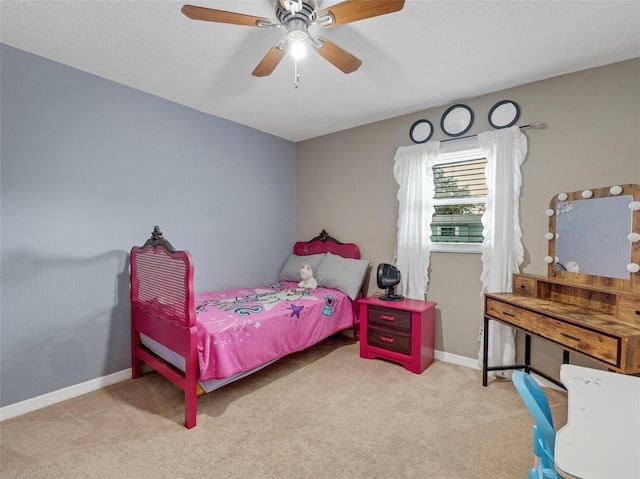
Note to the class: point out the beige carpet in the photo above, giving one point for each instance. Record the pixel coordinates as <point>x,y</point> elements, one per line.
<point>321,413</point>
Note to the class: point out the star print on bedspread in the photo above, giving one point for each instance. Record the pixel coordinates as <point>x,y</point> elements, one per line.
<point>295,310</point>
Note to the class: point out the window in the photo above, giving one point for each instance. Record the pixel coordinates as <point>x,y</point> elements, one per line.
<point>460,197</point>
<point>447,230</point>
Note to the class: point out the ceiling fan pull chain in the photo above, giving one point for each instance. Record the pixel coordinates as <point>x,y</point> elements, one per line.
<point>296,79</point>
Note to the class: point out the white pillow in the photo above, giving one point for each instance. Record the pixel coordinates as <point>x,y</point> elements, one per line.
<point>343,274</point>
<point>291,269</point>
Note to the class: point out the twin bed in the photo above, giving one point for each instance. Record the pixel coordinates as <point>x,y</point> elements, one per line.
<point>201,342</point>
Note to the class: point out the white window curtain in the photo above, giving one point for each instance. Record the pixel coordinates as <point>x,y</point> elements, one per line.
<point>503,251</point>
<point>413,171</point>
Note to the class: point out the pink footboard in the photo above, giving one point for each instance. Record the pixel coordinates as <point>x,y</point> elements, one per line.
<point>163,308</point>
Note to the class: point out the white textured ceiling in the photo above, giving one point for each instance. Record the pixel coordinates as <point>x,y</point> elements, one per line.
<point>431,53</point>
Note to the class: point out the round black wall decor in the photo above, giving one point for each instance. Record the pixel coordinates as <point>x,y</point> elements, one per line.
<point>421,131</point>
<point>504,114</point>
<point>457,120</point>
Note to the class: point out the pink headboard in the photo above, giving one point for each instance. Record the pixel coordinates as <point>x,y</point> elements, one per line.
<point>323,243</point>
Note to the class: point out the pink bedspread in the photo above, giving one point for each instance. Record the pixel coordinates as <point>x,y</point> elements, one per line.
<point>240,329</point>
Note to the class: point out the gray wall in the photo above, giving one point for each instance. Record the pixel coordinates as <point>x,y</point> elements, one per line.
<point>88,167</point>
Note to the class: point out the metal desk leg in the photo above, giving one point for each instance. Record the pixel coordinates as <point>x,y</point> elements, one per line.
<point>527,352</point>
<point>485,351</point>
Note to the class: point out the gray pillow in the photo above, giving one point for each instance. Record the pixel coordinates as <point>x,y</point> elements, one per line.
<point>343,274</point>
<point>291,269</point>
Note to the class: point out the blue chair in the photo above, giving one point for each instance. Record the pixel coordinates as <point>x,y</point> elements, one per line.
<point>544,434</point>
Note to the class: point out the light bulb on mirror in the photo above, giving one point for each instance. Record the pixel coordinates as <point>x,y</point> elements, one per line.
<point>633,267</point>
<point>549,212</point>
<point>615,190</point>
<point>633,237</point>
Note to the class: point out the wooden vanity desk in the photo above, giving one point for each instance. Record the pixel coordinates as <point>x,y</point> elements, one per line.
<point>600,323</point>
<point>595,316</point>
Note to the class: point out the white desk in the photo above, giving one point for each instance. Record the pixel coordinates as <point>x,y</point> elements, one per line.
<point>602,436</point>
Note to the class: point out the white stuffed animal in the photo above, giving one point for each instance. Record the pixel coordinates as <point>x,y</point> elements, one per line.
<point>573,266</point>
<point>308,281</point>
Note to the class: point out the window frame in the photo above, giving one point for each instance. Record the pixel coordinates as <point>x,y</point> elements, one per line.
<point>455,151</point>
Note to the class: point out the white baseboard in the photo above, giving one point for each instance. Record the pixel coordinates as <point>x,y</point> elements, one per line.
<point>23,407</point>
<point>456,359</point>
<point>70,392</point>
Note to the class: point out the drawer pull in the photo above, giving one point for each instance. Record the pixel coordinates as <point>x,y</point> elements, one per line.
<point>387,339</point>
<point>637,311</point>
<point>508,313</point>
<point>570,337</point>
<point>387,318</point>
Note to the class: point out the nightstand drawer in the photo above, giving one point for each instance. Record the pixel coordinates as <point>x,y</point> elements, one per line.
<point>389,339</point>
<point>390,318</point>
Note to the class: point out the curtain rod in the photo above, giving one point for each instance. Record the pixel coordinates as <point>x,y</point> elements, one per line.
<point>536,125</point>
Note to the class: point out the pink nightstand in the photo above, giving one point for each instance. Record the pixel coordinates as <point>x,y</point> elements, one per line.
<point>399,331</point>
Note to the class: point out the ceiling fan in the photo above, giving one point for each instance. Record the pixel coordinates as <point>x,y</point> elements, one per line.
<point>296,16</point>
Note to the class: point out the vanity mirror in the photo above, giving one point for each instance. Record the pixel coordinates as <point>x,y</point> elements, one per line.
<point>594,237</point>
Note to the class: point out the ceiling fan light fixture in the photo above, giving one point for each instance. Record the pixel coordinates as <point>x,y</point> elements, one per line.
<point>297,30</point>
<point>297,37</point>
<point>298,50</point>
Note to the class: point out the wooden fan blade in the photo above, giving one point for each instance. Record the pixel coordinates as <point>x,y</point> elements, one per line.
<point>354,10</point>
<point>341,59</point>
<point>221,16</point>
<point>270,61</point>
